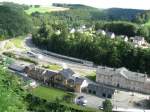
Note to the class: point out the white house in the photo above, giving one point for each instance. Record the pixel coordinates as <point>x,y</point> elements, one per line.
<point>33,84</point>
<point>123,37</point>
<point>111,35</point>
<point>101,32</point>
<point>83,26</point>
<point>58,32</point>
<point>126,38</point>
<point>72,30</point>
<point>137,40</point>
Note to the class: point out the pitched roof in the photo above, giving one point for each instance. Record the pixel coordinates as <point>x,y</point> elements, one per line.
<point>67,73</point>
<point>123,72</point>
<point>79,80</point>
<point>138,38</point>
<point>110,33</point>
<point>50,73</point>
<point>16,67</point>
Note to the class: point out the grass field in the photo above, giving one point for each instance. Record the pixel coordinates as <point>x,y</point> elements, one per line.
<point>15,43</point>
<point>18,42</point>
<point>44,9</point>
<point>53,67</point>
<point>148,23</point>
<point>50,94</point>
<point>8,45</point>
<point>90,75</point>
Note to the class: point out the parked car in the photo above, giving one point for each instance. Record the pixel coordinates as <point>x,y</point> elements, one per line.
<point>100,107</point>
<point>80,97</point>
<point>31,54</point>
<point>82,102</point>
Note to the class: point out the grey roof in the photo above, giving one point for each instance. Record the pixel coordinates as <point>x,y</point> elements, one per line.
<point>123,72</point>
<point>50,73</point>
<point>110,33</point>
<point>79,80</point>
<point>17,67</point>
<point>138,38</point>
<point>67,73</point>
<point>42,71</point>
<point>131,75</point>
<point>101,87</point>
<point>32,66</point>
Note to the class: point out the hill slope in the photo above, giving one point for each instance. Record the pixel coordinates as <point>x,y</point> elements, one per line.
<point>13,20</point>
<point>102,14</point>
<point>122,14</point>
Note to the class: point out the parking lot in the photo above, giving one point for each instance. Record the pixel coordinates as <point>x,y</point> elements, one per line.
<point>120,99</point>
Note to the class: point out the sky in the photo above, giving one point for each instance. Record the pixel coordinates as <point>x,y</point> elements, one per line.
<point>134,4</point>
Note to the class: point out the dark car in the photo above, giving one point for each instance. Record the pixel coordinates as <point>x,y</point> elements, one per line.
<point>80,97</point>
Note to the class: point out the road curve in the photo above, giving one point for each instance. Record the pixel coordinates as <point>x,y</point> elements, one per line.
<point>52,59</point>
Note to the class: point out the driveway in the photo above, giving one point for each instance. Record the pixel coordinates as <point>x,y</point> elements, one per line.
<point>92,101</point>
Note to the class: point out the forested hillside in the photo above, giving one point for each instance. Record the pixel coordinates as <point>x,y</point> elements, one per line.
<point>13,20</point>
<point>143,17</point>
<point>97,48</point>
<point>100,14</point>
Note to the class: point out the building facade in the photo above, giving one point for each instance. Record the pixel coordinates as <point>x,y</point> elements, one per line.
<point>137,40</point>
<point>123,78</point>
<point>100,90</point>
<point>63,79</point>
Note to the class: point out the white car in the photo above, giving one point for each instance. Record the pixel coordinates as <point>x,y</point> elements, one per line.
<point>81,101</point>
<point>100,107</point>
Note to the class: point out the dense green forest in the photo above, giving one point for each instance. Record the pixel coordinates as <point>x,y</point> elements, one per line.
<point>124,28</point>
<point>100,14</point>
<point>79,15</point>
<point>96,48</point>
<point>143,17</point>
<point>13,20</point>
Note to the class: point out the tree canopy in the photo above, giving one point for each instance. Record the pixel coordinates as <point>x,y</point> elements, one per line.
<point>13,20</point>
<point>97,48</point>
<point>107,106</point>
<point>11,96</point>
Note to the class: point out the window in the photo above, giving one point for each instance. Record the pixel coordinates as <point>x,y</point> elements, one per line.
<point>118,85</point>
<point>94,92</point>
<point>104,95</point>
<point>71,82</point>
<point>109,96</point>
<point>89,91</point>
